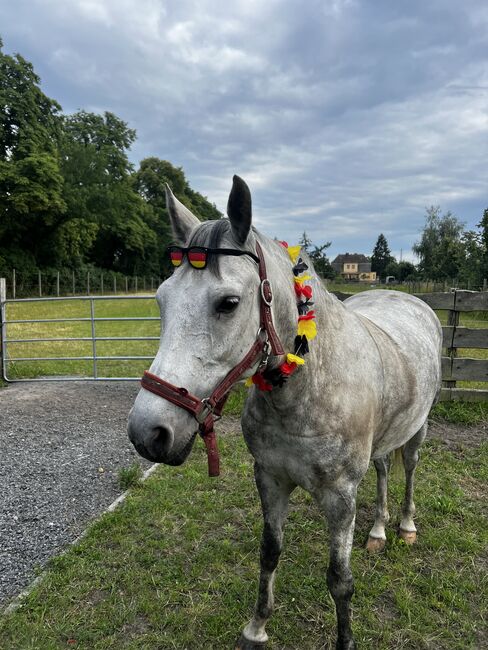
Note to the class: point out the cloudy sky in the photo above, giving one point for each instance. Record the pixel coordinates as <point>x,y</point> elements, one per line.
<point>345,117</point>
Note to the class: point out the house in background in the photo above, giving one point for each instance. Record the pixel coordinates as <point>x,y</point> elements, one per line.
<point>354,266</point>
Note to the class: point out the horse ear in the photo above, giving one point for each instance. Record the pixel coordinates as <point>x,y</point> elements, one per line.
<point>239,209</point>
<point>183,222</point>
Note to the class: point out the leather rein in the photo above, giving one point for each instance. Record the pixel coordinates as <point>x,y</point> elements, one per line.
<point>207,410</point>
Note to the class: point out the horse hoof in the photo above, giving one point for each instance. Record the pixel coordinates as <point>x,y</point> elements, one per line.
<point>375,544</point>
<point>408,536</point>
<point>245,644</point>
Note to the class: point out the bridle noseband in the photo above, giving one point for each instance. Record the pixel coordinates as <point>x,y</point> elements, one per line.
<point>207,410</point>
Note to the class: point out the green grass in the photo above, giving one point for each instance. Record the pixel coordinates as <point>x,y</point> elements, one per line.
<point>176,567</point>
<point>130,476</point>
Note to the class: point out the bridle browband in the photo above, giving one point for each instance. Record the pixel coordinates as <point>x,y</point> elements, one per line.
<point>206,410</point>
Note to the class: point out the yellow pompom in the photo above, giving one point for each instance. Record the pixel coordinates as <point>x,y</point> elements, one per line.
<point>293,252</point>
<point>307,328</point>
<point>248,383</point>
<point>292,358</point>
<point>302,278</point>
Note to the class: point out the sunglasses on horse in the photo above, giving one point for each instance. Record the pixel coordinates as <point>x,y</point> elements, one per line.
<point>198,255</point>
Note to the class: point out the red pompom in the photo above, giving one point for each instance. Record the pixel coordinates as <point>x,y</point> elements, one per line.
<point>309,316</point>
<point>261,382</point>
<point>283,243</point>
<point>307,291</point>
<point>288,368</point>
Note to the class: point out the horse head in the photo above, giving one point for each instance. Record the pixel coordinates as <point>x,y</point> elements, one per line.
<point>210,317</point>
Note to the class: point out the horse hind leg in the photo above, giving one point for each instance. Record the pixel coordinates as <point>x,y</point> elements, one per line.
<point>410,455</point>
<point>377,535</point>
<point>274,500</point>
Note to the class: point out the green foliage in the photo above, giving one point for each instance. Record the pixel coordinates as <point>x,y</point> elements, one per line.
<point>320,261</point>
<point>440,248</point>
<point>381,257</point>
<point>70,196</point>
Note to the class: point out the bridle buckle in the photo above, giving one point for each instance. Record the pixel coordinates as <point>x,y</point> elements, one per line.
<point>266,292</point>
<point>205,410</point>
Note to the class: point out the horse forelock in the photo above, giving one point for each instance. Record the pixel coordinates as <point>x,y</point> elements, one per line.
<point>215,234</point>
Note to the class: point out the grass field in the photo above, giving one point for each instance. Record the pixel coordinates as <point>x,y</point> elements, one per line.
<point>176,567</point>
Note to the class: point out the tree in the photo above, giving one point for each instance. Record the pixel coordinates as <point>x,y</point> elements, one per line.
<point>440,249</point>
<point>99,193</point>
<point>320,261</point>
<point>381,257</point>
<point>30,178</point>
<point>150,182</point>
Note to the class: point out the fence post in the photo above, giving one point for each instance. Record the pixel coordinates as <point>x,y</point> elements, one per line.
<point>57,284</point>
<point>126,284</point>
<point>14,289</point>
<point>484,284</point>
<point>88,282</point>
<point>453,321</point>
<point>101,283</point>
<point>74,284</point>
<point>115,284</point>
<point>40,284</point>
<point>136,283</point>
<point>3,298</point>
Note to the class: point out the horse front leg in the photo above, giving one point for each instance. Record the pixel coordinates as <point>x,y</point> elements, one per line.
<point>339,507</point>
<point>274,493</point>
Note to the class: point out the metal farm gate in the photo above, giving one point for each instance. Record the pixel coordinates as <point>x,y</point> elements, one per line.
<point>91,338</point>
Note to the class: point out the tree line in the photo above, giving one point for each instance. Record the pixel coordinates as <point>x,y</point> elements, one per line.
<point>70,196</point>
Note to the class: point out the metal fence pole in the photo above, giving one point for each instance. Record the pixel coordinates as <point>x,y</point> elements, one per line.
<point>40,284</point>
<point>101,283</point>
<point>94,340</point>
<point>74,284</point>
<point>57,284</point>
<point>115,284</point>
<point>3,298</point>
<point>126,284</point>
<point>136,283</point>
<point>13,284</point>
<point>88,282</point>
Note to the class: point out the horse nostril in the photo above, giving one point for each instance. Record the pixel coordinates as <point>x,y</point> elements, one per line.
<point>161,440</point>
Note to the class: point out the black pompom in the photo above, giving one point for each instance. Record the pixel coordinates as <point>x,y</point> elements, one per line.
<point>304,306</point>
<point>299,267</point>
<point>301,345</point>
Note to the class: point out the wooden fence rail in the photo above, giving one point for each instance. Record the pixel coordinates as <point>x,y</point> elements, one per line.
<point>456,337</point>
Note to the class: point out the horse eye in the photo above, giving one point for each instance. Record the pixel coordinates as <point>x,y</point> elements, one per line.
<point>227,305</point>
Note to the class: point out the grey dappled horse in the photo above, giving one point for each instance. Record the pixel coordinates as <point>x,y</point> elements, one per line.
<point>369,381</point>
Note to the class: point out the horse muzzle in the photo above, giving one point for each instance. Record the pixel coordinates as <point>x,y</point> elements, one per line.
<point>158,443</point>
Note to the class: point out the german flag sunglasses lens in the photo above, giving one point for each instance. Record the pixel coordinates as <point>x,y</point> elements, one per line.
<point>176,257</point>
<point>196,256</point>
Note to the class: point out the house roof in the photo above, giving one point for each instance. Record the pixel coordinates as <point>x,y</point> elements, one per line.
<point>350,257</point>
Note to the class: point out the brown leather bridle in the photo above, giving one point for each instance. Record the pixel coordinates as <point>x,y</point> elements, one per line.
<point>206,410</point>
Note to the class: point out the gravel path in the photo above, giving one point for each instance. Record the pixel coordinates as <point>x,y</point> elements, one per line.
<point>61,447</point>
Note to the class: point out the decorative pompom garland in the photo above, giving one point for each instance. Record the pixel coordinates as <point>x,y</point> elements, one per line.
<point>306,330</point>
